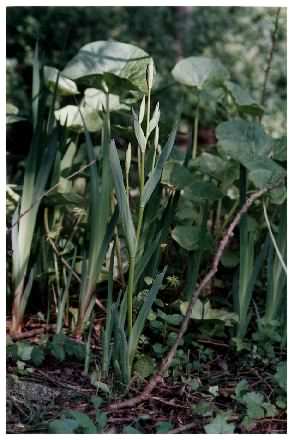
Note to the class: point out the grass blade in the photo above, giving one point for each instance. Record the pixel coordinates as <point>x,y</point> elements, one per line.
<point>109,322</point>
<point>143,314</point>
<point>125,214</point>
<point>155,175</point>
<point>36,87</point>
<point>100,211</point>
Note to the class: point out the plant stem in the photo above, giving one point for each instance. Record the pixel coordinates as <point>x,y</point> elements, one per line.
<point>130,293</point>
<point>141,208</point>
<point>195,132</point>
<point>270,57</point>
<point>88,347</point>
<point>148,113</point>
<point>132,260</point>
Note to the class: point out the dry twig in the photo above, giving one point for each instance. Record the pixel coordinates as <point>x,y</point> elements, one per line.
<point>270,57</point>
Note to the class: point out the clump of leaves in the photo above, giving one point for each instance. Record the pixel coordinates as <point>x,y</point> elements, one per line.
<point>76,422</point>
<point>220,425</point>
<point>26,353</point>
<point>256,406</point>
<point>62,346</point>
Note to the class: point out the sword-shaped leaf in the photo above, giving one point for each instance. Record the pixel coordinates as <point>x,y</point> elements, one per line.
<point>143,314</point>
<point>155,175</point>
<point>125,214</point>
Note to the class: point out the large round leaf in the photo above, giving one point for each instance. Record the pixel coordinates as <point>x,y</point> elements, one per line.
<point>242,99</point>
<point>203,310</point>
<point>176,175</point>
<point>223,170</point>
<point>280,149</point>
<point>112,61</point>
<point>71,117</point>
<point>65,86</point>
<point>200,190</point>
<point>96,99</point>
<point>188,237</point>
<point>265,172</point>
<point>247,143</point>
<point>199,72</point>
<point>243,140</point>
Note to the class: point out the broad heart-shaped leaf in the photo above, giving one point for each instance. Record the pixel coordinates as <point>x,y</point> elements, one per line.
<point>176,175</point>
<point>254,403</point>
<point>281,375</point>
<point>264,172</point>
<point>84,422</point>
<point>65,86</point>
<point>163,427</point>
<point>70,116</point>
<point>123,203</point>
<point>188,237</point>
<point>223,170</point>
<point>247,143</point>
<point>24,351</point>
<point>199,72</point>
<point>37,356</point>
<point>200,190</point>
<point>144,366</point>
<point>112,61</point>
<point>130,430</point>
<point>280,149</point>
<point>242,99</point>
<point>219,425</point>
<point>96,99</point>
<point>63,426</point>
<point>243,140</point>
<point>204,311</point>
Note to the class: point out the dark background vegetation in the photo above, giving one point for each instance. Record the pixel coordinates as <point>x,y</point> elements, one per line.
<point>240,37</point>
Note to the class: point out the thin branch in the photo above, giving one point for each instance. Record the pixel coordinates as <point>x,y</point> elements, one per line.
<point>170,355</point>
<point>271,54</point>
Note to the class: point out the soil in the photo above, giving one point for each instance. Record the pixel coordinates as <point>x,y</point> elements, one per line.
<point>40,395</point>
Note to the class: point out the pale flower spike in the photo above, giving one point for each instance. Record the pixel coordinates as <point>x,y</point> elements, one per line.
<point>142,110</point>
<point>150,74</point>
<point>157,133</point>
<point>128,159</point>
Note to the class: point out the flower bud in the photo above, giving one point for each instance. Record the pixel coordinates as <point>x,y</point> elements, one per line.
<point>128,159</point>
<point>150,74</point>
<point>141,110</point>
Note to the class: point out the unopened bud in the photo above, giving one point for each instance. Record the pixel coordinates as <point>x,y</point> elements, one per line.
<point>141,110</point>
<point>128,158</point>
<point>150,74</point>
<point>157,132</point>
